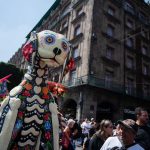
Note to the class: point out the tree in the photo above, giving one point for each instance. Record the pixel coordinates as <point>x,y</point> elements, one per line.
<point>17,74</point>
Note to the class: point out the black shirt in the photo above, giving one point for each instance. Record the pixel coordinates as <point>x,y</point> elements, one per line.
<point>143,137</point>
<point>95,143</point>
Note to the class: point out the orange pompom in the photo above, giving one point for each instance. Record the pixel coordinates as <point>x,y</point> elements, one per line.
<point>28,86</point>
<point>45,90</point>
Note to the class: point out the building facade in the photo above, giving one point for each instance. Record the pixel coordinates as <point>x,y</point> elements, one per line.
<point>16,58</point>
<point>111,48</point>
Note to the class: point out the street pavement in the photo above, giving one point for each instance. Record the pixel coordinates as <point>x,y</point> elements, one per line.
<point>78,147</point>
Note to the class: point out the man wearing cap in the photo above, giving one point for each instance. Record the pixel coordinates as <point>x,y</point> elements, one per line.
<point>143,134</point>
<point>125,139</point>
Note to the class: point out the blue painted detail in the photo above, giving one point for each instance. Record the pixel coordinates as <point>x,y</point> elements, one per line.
<point>46,108</point>
<point>47,125</point>
<point>18,124</point>
<point>2,118</point>
<point>50,39</point>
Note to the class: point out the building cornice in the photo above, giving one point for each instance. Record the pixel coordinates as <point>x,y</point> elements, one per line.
<point>52,8</point>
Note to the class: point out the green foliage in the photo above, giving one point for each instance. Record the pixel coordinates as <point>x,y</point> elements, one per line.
<point>17,74</point>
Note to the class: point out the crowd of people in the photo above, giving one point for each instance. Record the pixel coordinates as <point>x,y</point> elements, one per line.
<point>126,134</point>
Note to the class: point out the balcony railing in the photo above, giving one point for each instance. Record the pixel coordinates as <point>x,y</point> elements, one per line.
<point>76,81</point>
<point>94,81</point>
<point>104,84</point>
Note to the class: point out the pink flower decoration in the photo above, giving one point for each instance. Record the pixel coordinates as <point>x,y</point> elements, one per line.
<point>46,116</point>
<point>47,135</point>
<point>45,96</point>
<point>26,93</point>
<point>27,51</point>
<point>20,114</point>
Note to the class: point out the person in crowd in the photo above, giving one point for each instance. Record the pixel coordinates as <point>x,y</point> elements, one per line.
<point>93,122</point>
<point>76,132</point>
<point>116,131</point>
<point>86,142</point>
<point>86,126</point>
<point>105,131</point>
<point>125,137</point>
<point>62,126</point>
<point>67,134</point>
<point>143,134</point>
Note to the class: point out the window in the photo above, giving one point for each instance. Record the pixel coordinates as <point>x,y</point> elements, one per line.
<point>146,89</point>
<point>57,29</point>
<point>75,52</point>
<point>145,69</point>
<point>128,7</point>
<point>129,42</point>
<point>143,17</point>
<point>111,11</point>
<point>64,24</point>
<point>130,62</point>
<point>108,77</point>
<point>129,24</point>
<point>77,30</point>
<point>66,10</point>
<point>144,33</point>
<point>73,76</point>
<point>144,50</point>
<point>79,11</point>
<point>110,30</point>
<point>109,52</point>
<point>130,85</point>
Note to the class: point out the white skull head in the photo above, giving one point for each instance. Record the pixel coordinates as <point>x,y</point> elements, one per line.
<point>52,48</point>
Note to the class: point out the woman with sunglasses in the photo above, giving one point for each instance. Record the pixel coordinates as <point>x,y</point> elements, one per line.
<point>98,139</point>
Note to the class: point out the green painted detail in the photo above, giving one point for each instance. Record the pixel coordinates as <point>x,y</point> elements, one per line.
<point>49,145</point>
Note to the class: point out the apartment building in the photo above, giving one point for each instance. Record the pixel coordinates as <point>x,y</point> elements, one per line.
<point>111,48</point>
<point>16,58</point>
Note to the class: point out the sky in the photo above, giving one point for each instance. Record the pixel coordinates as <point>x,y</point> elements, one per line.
<point>17,19</point>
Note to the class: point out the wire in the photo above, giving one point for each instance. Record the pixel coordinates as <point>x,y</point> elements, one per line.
<point>133,35</point>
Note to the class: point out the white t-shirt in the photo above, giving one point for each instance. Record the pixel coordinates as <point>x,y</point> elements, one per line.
<point>112,142</point>
<point>85,127</point>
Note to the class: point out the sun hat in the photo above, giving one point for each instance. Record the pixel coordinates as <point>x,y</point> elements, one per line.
<point>130,124</point>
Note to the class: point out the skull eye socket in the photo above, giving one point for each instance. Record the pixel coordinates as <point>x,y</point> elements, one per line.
<point>65,46</point>
<point>50,39</point>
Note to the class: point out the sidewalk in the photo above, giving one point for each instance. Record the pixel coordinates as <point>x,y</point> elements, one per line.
<point>78,147</point>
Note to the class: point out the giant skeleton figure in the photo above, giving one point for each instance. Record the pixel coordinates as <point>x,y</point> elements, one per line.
<point>29,114</point>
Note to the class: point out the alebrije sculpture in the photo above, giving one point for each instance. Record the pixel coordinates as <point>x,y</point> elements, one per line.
<point>29,115</point>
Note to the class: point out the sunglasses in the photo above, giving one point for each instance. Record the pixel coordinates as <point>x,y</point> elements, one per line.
<point>110,127</point>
